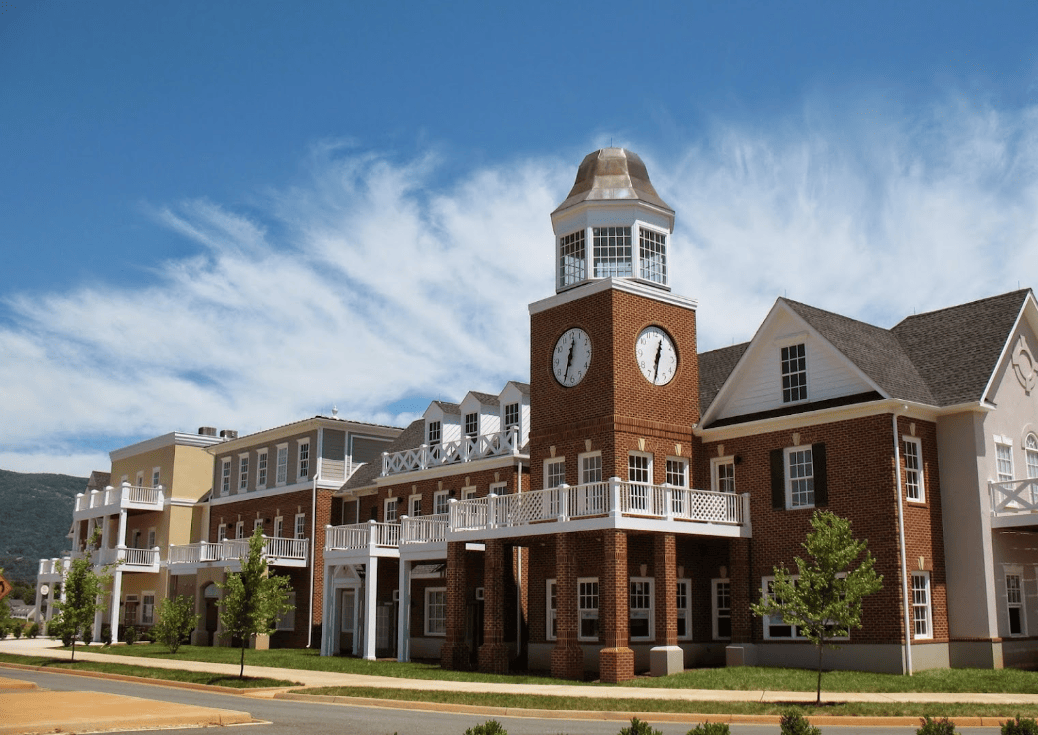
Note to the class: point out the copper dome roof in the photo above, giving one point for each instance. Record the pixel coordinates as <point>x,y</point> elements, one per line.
<point>612,174</point>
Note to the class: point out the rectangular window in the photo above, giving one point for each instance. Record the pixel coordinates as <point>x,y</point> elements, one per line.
<point>287,621</point>
<point>436,611</point>
<point>677,472</point>
<point>590,468</point>
<point>225,479</point>
<point>415,506</point>
<point>794,373</point>
<point>435,432</point>
<point>639,474</point>
<point>722,471</point>
<point>243,473</point>
<point>390,510</point>
<point>468,493</point>
<point>914,470</point>
<point>155,477</point>
<point>130,610</point>
<point>304,460</point>
<point>683,609</point>
<point>136,536</point>
<point>472,424</point>
<point>587,609</point>
<point>441,502</point>
<point>261,469</point>
<point>652,251</point>
<point>612,248</point>
<point>239,529</point>
<point>921,617</point>
<point>221,532</point>
<point>640,618</point>
<point>721,600</point>
<point>1015,603</point>
<point>147,608</point>
<point>511,415</point>
<point>572,258</point>
<point>151,539</point>
<point>774,625</point>
<point>257,523</point>
<point>300,525</point>
<point>800,478</point>
<point>499,488</point>
<point>551,612</point>
<point>1004,461</point>
<point>554,472</point>
<point>140,479</point>
<point>282,466</point>
<point>279,527</point>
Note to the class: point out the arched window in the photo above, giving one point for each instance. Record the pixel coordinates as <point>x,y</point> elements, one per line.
<point>1031,449</point>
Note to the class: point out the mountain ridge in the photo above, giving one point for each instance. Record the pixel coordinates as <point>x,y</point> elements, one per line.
<point>35,517</point>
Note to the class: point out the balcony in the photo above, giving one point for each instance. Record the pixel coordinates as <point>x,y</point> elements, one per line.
<point>466,449</point>
<point>283,552</point>
<point>1014,503</point>
<point>111,500</point>
<point>53,570</point>
<point>129,560</point>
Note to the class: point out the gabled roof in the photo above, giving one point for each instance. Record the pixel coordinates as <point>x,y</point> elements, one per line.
<point>956,350</point>
<point>485,399</point>
<point>524,388</point>
<point>409,438</point>
<point>449,409</point>
<point>99,480</point>
<point>714,368</point>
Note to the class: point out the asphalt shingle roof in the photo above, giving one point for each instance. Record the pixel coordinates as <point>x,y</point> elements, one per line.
<point>409,438</point>
<point>714,368</point>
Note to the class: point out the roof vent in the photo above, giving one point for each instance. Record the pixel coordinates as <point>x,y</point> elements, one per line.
<point>228,434</point>
<point>207,431</point>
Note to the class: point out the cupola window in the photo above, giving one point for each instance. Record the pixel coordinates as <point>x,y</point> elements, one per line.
<point>572,259</point>
<point>652,250</point>
<point>613,256</point>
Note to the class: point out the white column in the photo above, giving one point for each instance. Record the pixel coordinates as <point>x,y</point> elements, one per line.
<point>403,626</point>
<point>39,607</point>
<point>117,593</point>
<point>370,594</point>
<point>330,628</point>
<point>120,540</point>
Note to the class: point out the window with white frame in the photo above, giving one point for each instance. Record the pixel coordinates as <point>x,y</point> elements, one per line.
<point>472,424</point>
<point>279,527</point>
<point>221,532</point>
<point>683,608</point>
<point>1031,451</point>
<point>135,539</point>
<point>304,460</point>
<point>468,492</point>
<point>140,479</point>
<point>677,471</point>
<point>151,539</point>
<point>587,608</point>
<point>441,501</point>
<point>499,488</point>
<point>914,470</point>
<point>147,608</point>
<point>436,611</point>
<point>721,608</point>
<point>590,468</point>
<point>261,469</point>
<point>554,472</point>
<point>652,251</point>
<point>287,620</point>
<point>257,523</point>
<point>639,470</point>
<point>414,504</point>
<point>722,474</point>
<point>1015,605</point>
<point>225,477</point>
<point>800,478</point>
<point>435,432</point>
<point>572,259</point>
<point>389,514</point>
<point>130,607</point>
<point>794,373</point>
<point>155,472</point>
<point>282,465</point>
<point>774,626</point>
<point>640,604</point>
<point>511,415</point>
<point>300,525</point>
<point>922,621</point>
<point>612,252</point>
<point>243,473</point>
<point>239,529</point>
<point>1004,461</point>
<point>551,604</point>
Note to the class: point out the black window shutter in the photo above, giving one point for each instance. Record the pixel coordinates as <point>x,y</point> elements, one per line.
<point>778,478</point>
<point>821,478</point>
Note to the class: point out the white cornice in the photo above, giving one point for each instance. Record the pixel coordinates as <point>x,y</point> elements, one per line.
<point>620,284</point>
<point>174,438</point>
<point>250,441</point>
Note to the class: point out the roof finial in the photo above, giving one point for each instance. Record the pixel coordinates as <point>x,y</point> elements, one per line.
<point>335,411</point>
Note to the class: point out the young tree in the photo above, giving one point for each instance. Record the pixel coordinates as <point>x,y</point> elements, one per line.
<point>252,600</point>
<point>177,619</point>
<point>83,593</point>
<point>824,599</point>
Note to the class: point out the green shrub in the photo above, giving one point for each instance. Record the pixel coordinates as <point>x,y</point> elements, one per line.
<point>33,631</point>
<point>106,635</point>
<point>710,728</point>
<point>490,727</point>
<point>88,635</point>
<point>130,635</point>
<point>936,727</point>
<point>793,723</point>
<point>17,631</point>
<point>1026,726</point>
<point>639,728</point>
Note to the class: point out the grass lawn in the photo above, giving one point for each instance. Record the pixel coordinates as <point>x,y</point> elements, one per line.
<point>735,678</point>
<point>147,672</point>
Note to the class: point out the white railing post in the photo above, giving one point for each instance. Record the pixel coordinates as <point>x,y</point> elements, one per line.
<point>492,510</point>
<point>513,440</point>
<point>79,501</point>
<point>668,501</point>
<point>615,508</point>
<point>423,457</point>
<point>385,463</point>
<point>452,515</point>
<point>563,491</point>
<point>372,536</point>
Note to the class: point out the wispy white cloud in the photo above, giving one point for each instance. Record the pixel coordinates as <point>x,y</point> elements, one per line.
<point>375,280</point>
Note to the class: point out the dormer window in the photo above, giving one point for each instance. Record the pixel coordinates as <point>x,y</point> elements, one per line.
<point>613,257</point>
<point>435,432</point>
<point>652,250</point>
<point>794,373</point>
<point>472,424</point>
<point>511,415</point>
<point>572,258</point>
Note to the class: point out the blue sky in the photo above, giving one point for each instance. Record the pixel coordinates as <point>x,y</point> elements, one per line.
<point>240,214</point>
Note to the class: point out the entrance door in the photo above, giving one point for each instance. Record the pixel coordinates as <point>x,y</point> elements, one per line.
<point>212,612</point>
<point>347,620</point>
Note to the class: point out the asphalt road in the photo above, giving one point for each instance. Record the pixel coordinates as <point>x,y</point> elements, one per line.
<point>287,718</point>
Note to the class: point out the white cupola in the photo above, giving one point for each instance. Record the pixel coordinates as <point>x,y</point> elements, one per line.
<point>613,224</point>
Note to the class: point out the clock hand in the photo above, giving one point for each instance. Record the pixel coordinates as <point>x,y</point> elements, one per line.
<point>659,353</point>
<point>569,359</point>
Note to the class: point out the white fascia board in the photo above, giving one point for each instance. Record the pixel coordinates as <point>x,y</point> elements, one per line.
<point>620,284</point>
<point>1007,348</point>
<point>159,442</point>
<point>182,503</point>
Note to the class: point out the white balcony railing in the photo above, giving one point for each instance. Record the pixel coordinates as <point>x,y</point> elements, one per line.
<point>361,536</point>
<point>275,550</point>
<point>424,529</point>
<point>54,567</point>
<point>127,557</point>
<point>1014,496</point>
<point>466,449</point>
<point>125,495</point>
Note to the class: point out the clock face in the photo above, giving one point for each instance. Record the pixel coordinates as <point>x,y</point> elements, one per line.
<point>657,358</point>
<point>572,357</point>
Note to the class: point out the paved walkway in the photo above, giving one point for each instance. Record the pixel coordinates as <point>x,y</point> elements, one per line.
<point>42,646</point>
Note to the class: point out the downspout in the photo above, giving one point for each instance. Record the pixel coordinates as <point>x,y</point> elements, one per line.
<point>902,549</point>
<point>519,577</point>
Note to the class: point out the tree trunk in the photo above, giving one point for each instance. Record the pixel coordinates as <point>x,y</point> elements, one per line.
<point>818,700</point>
<point>244,642</point>
<point>73,649</point>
